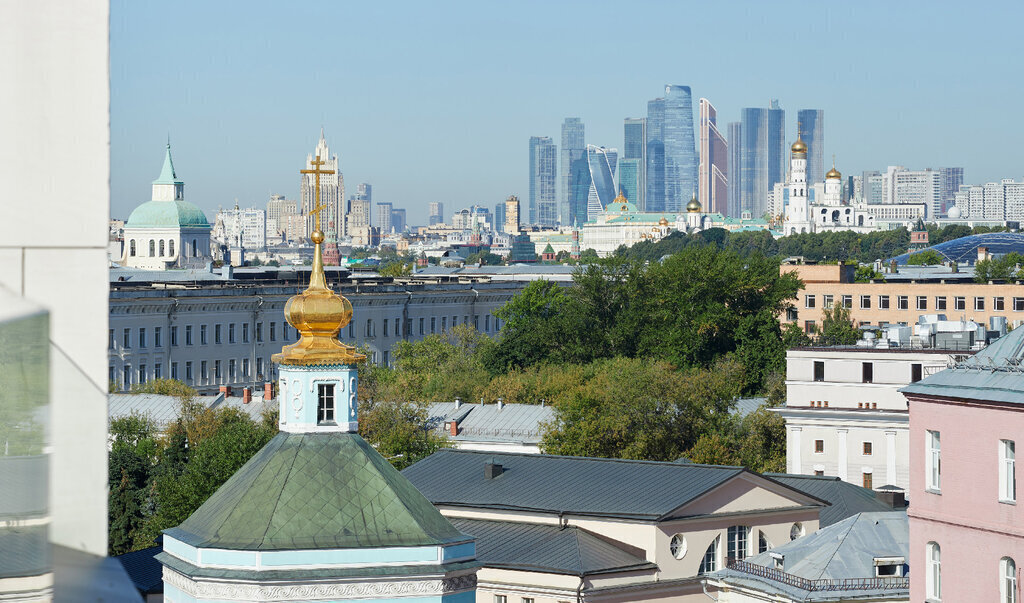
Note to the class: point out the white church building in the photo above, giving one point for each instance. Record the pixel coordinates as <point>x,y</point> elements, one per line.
<point>166,232</point>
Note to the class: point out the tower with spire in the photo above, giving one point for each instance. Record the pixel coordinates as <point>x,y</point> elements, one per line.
<point>167,231</point>
<point>318,514</point>
<point>332,191</point>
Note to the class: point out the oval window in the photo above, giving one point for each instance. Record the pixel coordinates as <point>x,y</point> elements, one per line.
<point>678,546</point>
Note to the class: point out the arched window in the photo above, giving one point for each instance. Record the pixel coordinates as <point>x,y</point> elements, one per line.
<point>152,248</point>
<point>161,248</point>
<point>170,248</point>
<point>739,543</point>
<point>195,248</point>
<point>131,248</point>
<point>710,561</point>
<point>1007,580</point>
<point>933,576</point>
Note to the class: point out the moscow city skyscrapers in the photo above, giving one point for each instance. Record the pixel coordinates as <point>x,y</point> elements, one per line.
<point>543,176</point>
<point>655,200</point>
<point>761,151</point>
<point>633,165</point>
<point>712,169</point>
<point>680,151</point>
<point>811,123</point>
<point>602,163</point>
<point>575,175</point>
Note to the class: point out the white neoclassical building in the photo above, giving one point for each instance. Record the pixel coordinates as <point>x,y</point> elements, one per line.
<point>166,232</point>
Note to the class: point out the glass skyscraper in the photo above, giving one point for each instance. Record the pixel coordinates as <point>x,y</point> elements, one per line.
<point>543,175</point>
<point>574,149</point>
<point>735,145</point>
<point>634,152</point>
<point>655,198</point>
<point>602,192</point>
<point>812,132</point>
<point>762,156</point>
<point>680,150</point>
<point>713,169</point>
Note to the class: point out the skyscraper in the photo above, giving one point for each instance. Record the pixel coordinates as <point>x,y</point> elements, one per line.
<point>436,213</point>
<point>735,146</point>
<point>952,178</point>
<point>574,150</point>
<point>398,219</point>
<point>812,132</point>
<point>762,156</point>
<point>543,175</point>
<point>499,217</point>
<point>680,151</point>
<point>713,170</point>
<point>655,198</point>
<point>512,215</point>
<point>633,180</point>
<point>332,191</point>
<point>384,217</point>
<point>364,192</point>
<point>602,192</point>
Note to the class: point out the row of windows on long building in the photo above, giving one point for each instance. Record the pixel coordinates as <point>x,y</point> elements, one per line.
<point>217,371</point>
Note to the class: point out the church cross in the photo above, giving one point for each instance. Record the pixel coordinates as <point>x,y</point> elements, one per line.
<point>316,171</point>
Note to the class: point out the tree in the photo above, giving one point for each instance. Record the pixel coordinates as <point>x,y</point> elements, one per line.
<point>165,387</point>
<point>998,269</point>
<point>485,258</point>
<point>794,337</point>
<point>532,329</point>
<point>395,269</point>
<point>866,273</point>
<point>132,457</point>
<point>837,326</point>
<point>925,257</point>
<point>762,436</point>
<point>399,431</point>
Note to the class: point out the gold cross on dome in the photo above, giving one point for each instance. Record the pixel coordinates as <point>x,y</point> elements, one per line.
<point>316,171</point>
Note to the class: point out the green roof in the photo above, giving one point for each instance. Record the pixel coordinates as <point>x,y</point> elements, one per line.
<point>167,175</point>
<point>170,214</point>
<point>316,491</point>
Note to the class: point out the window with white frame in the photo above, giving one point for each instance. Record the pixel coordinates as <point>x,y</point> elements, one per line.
<point>710,561</point>
<point>932,461</point>
<point>933,577</point>
<point>325,403</point>
<point>809,301</point>
<point>739,540</point>
<point>1007,471</point>
<point>1007,580</point>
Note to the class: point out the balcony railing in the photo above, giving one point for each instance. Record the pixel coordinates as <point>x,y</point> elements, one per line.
<point>770,573</point>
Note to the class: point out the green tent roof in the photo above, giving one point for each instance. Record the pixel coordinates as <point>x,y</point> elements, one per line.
<point>170,214</point>
<point>167,175</point>
<point>316,491</point>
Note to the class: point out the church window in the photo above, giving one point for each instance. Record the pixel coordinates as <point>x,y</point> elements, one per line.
<point>710,561</point>
<point>152,248</point>
<point>131,248</point>
<point>739,537</point>
<point>170,247</point>
<point>195,248</point>
<point>162,248</point>
<point>325,403</point>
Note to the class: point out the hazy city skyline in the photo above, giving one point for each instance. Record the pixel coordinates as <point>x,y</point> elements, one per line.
<point>409,110</point>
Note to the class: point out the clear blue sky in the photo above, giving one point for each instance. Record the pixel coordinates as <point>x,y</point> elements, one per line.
<point>436,101</point>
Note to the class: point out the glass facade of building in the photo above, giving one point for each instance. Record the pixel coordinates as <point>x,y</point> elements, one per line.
<point>812,132</point>
<point>574,151</point>
<point>635,147</point>
<point>735,145</point>
<point>680,149</point>
<point>655,199</point>
<point>629,178</point>
<point>602,164</point>
<point>762,156</point>
<point>543,176</point>
<point>713,166</point>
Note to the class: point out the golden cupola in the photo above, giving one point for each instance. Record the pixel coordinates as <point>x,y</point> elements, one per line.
<point>318,314</point>
<point>694,205</point>
<point>833,173</point>
<point>799,146</point>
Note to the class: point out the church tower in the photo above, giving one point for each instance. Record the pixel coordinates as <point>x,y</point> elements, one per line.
<point>833,186</point>
<point>797,209</point>
<point>318,514</point>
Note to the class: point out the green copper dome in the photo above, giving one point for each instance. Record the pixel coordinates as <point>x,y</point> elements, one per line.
<point>167,214</point>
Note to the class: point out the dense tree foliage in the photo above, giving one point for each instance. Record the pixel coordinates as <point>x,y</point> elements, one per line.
<point>999,269</point>
<point>837,326</point>
<point>927,257</point>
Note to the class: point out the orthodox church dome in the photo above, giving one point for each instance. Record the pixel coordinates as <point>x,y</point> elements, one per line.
<point>693,205</point>
<point>799,146</point>
<point>167,214</point>
<point>833,173</point>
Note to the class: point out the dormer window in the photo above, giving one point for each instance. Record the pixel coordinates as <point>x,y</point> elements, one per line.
<point>889,567</point>
<point>325,403</point>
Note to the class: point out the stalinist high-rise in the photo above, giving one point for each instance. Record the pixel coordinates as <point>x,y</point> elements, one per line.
<point>332,192</point>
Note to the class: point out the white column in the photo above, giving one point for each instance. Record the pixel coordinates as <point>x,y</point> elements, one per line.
<point>793,450</point>
<point>890,458</point>
<point>843,455</point>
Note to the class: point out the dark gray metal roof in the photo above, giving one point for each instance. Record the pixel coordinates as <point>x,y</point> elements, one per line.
<point>845,499</point>
<point>520,423</point>
<point>548,548</point>
<point>577,485</point>
<point>995,374</point>
<point>144,570</point>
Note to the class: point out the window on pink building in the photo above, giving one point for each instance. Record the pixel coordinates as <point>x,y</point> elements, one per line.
<point>1007,471</point>
<point>933,586</point>
<point>1007,580</point>
<point>932,460</point>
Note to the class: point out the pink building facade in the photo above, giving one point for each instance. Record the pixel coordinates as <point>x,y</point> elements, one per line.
<point>966,522</point>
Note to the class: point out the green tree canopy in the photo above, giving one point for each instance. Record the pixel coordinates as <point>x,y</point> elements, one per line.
<point>925,257</point>
<point>998,269</point>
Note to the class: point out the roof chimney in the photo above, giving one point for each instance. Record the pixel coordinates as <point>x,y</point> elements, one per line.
<point>458,402</point>
<point>892,496</point>
<point>453,428</point>
<point>268,391</point>
<point>501,404</point>
<point>226,390</point>
<point>492,469</point>
<point>246,395</point>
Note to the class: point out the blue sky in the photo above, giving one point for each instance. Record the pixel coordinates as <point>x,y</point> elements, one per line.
<point>436,101</point>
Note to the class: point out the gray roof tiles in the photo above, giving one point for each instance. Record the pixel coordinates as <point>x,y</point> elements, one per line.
<point>548,548</point>
<point>845,499</point>
<point>553,484</point>
<point>512,423</point>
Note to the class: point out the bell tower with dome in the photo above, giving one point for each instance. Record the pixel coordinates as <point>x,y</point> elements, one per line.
<point>167,231</point>
<point>797,210</point>
<point>318,514</point>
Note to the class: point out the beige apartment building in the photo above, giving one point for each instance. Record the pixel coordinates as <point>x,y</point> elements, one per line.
<point>902,297</point>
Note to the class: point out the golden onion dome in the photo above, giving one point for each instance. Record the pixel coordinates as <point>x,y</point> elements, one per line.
<point>799,146</point>
<point>663,221</point>
<point>693,205</point>
<point>318,314</point>
<point>833,173</point>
